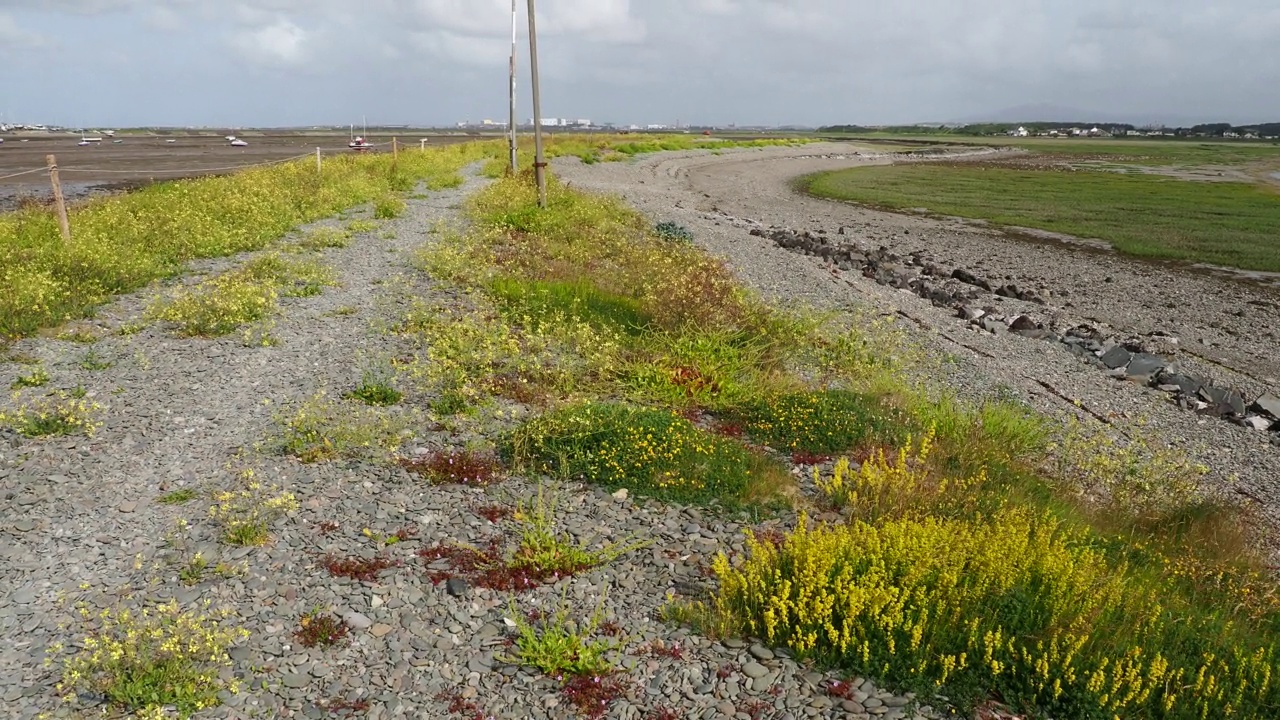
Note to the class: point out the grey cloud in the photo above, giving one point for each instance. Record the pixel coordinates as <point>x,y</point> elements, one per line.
<point>810,61</point>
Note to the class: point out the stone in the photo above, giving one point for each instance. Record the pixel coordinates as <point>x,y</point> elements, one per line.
<point>1022,322</point>
<point>761,652</point>
<point>1257,422</point>
<point>620,495</point>
<point>1144,365</point>
<point>1117,357</point>
<point>754,670</point>
<point>1188,384</point>
<point>380,629</point>
<point>24,526</point>
<point>1268,405</point>
<point>128,506</point>
<point>456,587</point>
<point>295,680</point>
<point>357,621</point>
<point>1224,401</point>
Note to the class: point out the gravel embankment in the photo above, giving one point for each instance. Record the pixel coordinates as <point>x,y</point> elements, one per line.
<point>81,520</point>
<point>1227,329</point>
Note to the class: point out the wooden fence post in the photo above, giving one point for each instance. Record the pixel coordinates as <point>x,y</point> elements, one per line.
<point>395,149</point>
<point>63,223</point>
<point>317,160</point>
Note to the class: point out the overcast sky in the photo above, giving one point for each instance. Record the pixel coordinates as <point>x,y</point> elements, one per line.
<point>303,62</point>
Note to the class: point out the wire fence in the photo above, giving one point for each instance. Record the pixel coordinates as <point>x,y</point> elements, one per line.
<point>189,170</point>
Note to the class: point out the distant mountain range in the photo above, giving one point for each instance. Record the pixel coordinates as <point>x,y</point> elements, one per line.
<point>1038,112</point>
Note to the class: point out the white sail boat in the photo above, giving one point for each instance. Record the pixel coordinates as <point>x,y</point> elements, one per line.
<point>358,142</point>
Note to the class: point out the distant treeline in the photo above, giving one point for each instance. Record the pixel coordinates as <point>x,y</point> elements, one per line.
<point>1260,130</point>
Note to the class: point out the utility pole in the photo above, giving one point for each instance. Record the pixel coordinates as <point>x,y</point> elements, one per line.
<point>539,163</point>
<point>511,122</point>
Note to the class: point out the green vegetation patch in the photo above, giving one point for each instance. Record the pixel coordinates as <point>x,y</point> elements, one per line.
<point>546,301</point>
<point>223,304</point>
<point>1224,223</point>
<point>819,422</point>
<point>121,243</point>
<point>1017,602</point>
<point>649,452</point>
<point>148,660</point>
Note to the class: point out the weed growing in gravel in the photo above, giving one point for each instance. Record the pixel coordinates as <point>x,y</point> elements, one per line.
<point>359,227</point>
<point>323,238</point>
<point>321,629</point>
<point>388,207</point>
<point>649,452</point>
<point>556,646</point>
<point>399,536</point>
<point>829,421</point>
<point>215,307</point>
<point>58,414</point>
<point>131,328</point>
<point>293,278</point>
<point>37,378</point>
<point>358,568</point>
<point>494,513</point>
<point>566,651</point>
<point>668,230</point>
<point>542,553</point>
<point>544,549</point>
<point>224,303</point>
<point>459,705</point>
<point>78,335</point>
<point>1140,475</point>
<point>193,571</point>
<point>144,660</point>
<point>247,512</point>
<point>320,430</point>
<point>197,567</point>
<point>376,388</point>
<point>94,362</point>
<point>459,467</point>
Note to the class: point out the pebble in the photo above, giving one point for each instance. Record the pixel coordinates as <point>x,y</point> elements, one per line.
<point>410,639</point>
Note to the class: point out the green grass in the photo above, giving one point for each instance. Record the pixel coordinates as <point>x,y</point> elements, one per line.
<point>649,452</point>
<point>576,299</point>
<point>1231,224</point>
<point>823,423</point>
<point>1154,151</point>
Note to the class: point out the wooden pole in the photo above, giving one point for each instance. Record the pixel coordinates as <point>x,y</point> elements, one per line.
<point>395,149</point>
<point>63,223</point>
<point>539,162</point>
<point>317,160</point>
<point>511,120</point>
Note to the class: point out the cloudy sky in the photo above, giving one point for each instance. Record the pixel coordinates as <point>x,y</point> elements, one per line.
<point>301,62</point>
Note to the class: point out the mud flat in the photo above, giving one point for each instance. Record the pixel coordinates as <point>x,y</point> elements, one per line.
<point>138,160</point>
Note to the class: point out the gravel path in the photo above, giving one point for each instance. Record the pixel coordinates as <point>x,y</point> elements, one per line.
<point>81,522</point>
<point>1227,329</point>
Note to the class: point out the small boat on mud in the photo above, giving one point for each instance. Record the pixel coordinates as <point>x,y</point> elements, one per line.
<point>358,143</point>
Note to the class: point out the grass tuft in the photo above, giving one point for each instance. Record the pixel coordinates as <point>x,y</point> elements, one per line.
<point>650,452</point>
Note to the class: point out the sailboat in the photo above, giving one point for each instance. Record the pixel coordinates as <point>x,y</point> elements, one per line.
<point>358,143</point>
